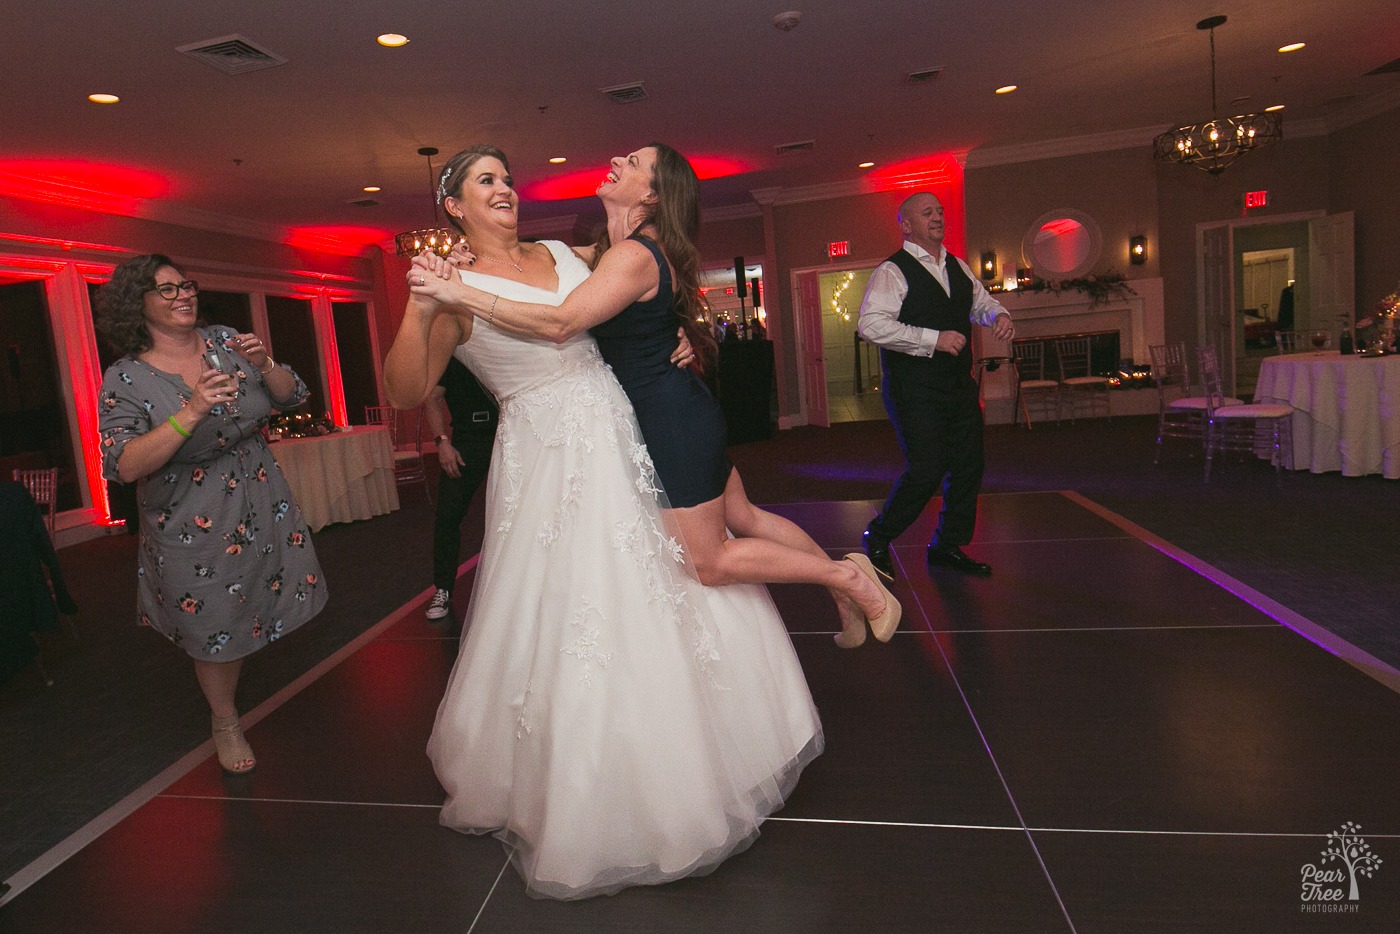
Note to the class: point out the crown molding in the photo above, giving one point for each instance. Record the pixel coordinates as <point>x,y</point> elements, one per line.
<point>1365,109</point>
<point>983,157</point>
<point>734,212</point>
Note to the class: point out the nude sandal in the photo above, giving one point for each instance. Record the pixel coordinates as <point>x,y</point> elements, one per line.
<point>231,746</point>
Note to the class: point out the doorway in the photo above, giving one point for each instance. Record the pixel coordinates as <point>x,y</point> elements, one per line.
<point>1310,254</point>
<point>841,372</point>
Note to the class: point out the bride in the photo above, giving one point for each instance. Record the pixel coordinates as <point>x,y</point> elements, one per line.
<point>609,719</point>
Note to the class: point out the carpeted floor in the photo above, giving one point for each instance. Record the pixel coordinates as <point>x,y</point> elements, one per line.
<point>124,705</point>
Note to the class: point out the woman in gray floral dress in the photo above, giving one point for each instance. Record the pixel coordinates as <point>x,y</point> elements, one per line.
<point>226,561</point>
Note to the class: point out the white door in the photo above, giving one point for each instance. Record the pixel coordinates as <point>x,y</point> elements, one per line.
<point>1216,298</point>
<point>809,325</point>
<point>1332,292</point>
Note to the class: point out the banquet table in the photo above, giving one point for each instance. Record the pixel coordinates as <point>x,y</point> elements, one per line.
<point>1346,410</point>
<point>340,477</point>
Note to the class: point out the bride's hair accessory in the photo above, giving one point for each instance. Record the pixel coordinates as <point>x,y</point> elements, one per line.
<point>442,184</point>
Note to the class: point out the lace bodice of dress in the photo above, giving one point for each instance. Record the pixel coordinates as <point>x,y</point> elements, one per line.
<point>507,364</point>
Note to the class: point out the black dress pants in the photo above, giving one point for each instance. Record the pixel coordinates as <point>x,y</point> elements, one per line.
<point>454,498</point>
<point>939,425</point>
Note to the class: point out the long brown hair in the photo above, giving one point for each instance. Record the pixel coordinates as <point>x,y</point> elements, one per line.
<point>676,217</point>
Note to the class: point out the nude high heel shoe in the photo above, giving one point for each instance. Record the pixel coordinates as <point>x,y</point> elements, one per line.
<point>883,626</point>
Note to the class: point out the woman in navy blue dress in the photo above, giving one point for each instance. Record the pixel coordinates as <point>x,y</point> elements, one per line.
<point>646,280</point>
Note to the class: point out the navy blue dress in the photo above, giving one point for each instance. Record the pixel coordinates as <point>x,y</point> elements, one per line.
<point>681,422</point>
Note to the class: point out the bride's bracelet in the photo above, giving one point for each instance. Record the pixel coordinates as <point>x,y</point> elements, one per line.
<point>491,313</point>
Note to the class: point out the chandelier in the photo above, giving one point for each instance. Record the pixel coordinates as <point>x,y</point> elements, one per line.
<point>437,238</point>
<point>1215,144</point>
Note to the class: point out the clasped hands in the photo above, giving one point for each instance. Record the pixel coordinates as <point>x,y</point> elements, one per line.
<point>435,277</point>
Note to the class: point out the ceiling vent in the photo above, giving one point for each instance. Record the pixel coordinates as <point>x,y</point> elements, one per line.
<point>626,93</point>
<point>925,76</point>
<point>232,55</point>
<point>807,145</point>
<point>1389,68</point>
<point>365,203</point>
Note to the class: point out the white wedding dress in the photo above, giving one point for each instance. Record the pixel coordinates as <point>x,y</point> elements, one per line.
<point>612,721</point>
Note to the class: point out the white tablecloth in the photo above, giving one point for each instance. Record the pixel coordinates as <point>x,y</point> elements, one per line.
<point>340,477</point>
<point>1346,410</point>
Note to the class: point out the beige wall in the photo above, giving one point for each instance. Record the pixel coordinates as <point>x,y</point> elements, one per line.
<point>1117,189</point>
<point>1365,163</point>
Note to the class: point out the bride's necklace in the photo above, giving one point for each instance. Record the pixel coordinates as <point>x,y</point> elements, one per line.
<point>504,262</point>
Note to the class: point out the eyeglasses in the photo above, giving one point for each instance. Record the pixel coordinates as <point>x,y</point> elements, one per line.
<point>172,290</point>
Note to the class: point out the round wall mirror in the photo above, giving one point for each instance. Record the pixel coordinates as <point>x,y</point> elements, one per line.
<point>1062,244</point>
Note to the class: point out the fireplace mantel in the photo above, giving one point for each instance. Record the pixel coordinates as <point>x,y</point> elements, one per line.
<point>1138,319</point>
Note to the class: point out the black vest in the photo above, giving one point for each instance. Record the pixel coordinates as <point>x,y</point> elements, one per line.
<point>928,306</point>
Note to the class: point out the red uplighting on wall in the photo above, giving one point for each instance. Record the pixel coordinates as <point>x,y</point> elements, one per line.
<point>940,173</point>
<point>80,183</point>
<point>343,240</point>
<point>930,171</point>
<point>1058,227</point>
<point>584,183</point>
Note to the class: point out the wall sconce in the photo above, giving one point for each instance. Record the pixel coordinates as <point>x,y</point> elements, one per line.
<point>988,266</point>
<point>1137,250</point>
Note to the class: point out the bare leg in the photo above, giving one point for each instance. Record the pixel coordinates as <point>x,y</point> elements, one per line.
<point>219,682</point>
<point>771,549</point>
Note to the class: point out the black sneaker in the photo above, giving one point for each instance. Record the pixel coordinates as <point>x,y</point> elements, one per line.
<point>440,605</point>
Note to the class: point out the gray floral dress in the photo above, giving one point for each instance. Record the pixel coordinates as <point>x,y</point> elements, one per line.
<point>226,561</point>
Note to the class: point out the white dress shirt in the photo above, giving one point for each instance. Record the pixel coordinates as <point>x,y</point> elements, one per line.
<point>879,311</point>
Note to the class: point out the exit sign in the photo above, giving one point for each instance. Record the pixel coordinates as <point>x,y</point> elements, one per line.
<point>1256,199</point>
<point>838,248</point>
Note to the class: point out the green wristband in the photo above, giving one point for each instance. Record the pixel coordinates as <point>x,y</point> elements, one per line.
<point>176,425</point>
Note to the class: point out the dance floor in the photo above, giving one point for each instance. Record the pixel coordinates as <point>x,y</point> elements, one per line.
<point>1106,735</point>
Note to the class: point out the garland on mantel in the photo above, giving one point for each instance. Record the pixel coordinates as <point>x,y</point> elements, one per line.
<point>1100,289</point>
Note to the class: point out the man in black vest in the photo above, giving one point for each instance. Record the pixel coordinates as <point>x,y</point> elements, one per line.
<point>919,309</point>
<point>465,457</point>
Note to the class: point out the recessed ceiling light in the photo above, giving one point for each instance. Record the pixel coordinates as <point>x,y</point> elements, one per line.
<point>103,98</point>
<point>1292,46</point>
<point>558,160</point>
<point>392,40</point>
<point>1272,107</point>
<point>371,188</point>
<point>1006,89</point>
<point>866,165</point>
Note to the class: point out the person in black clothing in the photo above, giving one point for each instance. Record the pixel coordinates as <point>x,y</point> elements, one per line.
<point>919,308</point>
<point>29,602</point>
<point>465,456</point>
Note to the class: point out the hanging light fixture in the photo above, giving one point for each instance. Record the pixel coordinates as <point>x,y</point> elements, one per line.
<point>437,238</point>
<point>1215,144</point>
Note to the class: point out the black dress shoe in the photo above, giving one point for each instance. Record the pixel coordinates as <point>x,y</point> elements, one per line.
<point>952,556</point>
<point>877,550</point>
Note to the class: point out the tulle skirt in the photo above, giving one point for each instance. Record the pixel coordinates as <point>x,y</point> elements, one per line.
<point>612,721</point>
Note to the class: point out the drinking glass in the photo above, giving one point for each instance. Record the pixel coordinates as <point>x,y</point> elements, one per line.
<point>217,358</point>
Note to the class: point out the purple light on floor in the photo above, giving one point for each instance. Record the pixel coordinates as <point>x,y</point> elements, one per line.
<point>839,472</point>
